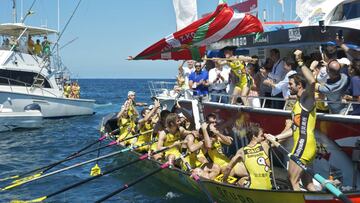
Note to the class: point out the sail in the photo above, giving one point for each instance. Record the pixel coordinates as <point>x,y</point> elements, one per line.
<point>185,12</point>
<point>190,42</point>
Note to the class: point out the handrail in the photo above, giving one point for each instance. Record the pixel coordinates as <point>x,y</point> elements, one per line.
<point>155,91</point>
<point>26,86</point>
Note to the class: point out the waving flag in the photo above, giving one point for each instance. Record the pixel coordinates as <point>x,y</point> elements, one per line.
<point>190,42</point>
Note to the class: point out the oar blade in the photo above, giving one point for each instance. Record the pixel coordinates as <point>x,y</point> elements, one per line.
<point>95,170</point>
<point>40,199</point>
<point>9,178</point>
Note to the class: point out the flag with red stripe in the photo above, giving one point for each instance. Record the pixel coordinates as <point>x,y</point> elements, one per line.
<point>190,42</point>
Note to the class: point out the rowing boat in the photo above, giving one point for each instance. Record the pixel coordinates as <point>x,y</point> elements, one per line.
<point>219,192</point>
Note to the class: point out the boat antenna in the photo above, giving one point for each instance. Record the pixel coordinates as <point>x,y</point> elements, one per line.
<point>29,12</point>
<point>14,11</point>
<point>67,23</point>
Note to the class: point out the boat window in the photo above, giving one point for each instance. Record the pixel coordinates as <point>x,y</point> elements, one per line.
<point>20,78</point>
<point>347,11</point>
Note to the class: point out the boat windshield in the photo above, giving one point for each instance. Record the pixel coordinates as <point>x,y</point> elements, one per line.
<point>347,11</point>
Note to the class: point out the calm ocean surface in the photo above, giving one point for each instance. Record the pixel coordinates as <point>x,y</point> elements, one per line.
<point>24,150</point>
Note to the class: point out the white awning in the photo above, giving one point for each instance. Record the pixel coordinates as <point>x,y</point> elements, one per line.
<point>15,29</point>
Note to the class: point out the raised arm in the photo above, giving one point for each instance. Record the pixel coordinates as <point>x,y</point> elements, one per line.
<point>306,72</point>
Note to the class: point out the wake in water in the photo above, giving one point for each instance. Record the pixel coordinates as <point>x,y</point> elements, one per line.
<point>171,195</point>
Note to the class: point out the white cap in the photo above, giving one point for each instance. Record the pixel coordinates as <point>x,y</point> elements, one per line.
<point>344,61</point>
<point>131,93</point>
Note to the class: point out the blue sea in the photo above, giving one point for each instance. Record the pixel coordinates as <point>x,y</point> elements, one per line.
<point>24,150</point>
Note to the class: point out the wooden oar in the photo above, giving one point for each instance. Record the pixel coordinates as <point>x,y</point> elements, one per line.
<point>143,157</point>
<point>327,184</point>
<point>126,186</point>
<point>69,167</point>
<point>95,170</point>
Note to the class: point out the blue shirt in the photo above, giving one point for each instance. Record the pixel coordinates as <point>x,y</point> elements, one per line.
<point>196,77</point>
<point>354,90</point>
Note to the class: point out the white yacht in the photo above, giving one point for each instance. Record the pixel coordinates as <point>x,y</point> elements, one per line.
<point>27,78</point>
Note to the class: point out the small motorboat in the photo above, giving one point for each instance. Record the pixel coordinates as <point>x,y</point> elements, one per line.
<point>31,117</point>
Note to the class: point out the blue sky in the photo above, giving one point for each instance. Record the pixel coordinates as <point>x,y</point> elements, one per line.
<point>110,30</point>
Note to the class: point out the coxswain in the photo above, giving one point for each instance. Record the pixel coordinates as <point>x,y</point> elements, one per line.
<point>241,87</point>
<point>303,125</point>
<point>127,117</point>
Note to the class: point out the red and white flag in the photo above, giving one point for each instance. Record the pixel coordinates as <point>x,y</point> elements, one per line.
<point>190,42</point>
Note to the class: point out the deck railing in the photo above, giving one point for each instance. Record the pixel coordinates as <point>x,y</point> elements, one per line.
<point>28,87</point>
<point>166,89</point>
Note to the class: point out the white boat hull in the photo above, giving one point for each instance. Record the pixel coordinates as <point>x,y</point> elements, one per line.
<point>51,107</point>
<point>14,120</point>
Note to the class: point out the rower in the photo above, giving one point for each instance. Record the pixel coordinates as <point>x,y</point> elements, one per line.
<point>159,126</point>
<point>171,137</point>
<point>303,127</point>
<point>145,125</point>
<point>255,158</point>
<point>213,141</point>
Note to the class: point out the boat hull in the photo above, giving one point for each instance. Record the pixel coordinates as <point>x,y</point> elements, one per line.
<point>14,120</point>
<point>51,107</point>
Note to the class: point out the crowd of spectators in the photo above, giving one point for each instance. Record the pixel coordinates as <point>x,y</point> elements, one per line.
<point>241,79</point>
<point>38,48</point>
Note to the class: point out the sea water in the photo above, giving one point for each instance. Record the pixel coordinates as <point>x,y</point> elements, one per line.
<point>24,150</point>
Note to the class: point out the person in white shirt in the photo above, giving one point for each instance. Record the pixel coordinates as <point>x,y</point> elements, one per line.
<point>185,71</point>
<point>277,74</point>
<point>218,80</point>
<point>282,87</point>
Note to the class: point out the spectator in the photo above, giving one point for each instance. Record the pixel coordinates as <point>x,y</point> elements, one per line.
<point>37,48</point>
<point>264,90</point>
<point>233,79</point>
<point>277,74</point>
<point>46,46</point>
<point>354,88</point>
<point>185,72</point>
<point>282,86</point>
<point>253,99</point>
<point>30,45</point>
<point>198,81</point>
<point>351,53</point>
<point>218,80</point>
<point>13,43</point>
<point>255,62</point>
<point>321,106</point>
<point>334,87</point>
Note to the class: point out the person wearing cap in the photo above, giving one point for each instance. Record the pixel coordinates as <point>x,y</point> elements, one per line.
<point>199,81</point>
<point>334,88</point>
<point>46,46</point>
<point>126,119</point>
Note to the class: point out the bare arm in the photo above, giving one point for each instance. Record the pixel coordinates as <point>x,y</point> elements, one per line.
<point>239,156</point>
<point>191,145</point>
<point>162,137</point>
<point>207,140</point>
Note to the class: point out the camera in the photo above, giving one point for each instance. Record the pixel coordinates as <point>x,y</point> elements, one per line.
<point>340,34</point>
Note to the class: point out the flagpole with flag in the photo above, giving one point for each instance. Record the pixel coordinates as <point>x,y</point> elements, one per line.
<point>191,41</point>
